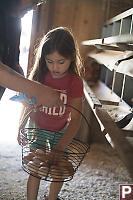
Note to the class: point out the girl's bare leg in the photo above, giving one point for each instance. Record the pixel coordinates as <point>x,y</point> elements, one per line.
<point>32,188</point>
<point>55,188</point>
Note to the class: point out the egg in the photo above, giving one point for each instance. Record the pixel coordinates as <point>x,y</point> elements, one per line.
<point>61,170</point>
<point>28,157</point>
<point>39,151</point>
<point>36,161</point>
<point>43,171</point>
<point>33,168</point>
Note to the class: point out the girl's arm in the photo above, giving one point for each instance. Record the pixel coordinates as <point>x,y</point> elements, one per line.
<point>13,80</point>
<point>73,125</point>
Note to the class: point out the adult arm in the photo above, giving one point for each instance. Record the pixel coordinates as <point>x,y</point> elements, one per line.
<point>44,95</point>
<point>73,125</point>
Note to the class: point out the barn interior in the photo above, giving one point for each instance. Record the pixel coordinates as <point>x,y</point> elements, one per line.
<point>103,31</point>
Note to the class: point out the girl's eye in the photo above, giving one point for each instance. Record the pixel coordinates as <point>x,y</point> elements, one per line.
<point>61,62</point>
<point>49,61</point>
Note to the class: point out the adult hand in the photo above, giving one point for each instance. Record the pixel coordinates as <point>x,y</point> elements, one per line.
<point>47,96</point>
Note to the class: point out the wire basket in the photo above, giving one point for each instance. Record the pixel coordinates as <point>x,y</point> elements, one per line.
<point>42,161</point>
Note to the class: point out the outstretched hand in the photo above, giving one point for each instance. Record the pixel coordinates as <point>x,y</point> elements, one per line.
<point>48,97</point>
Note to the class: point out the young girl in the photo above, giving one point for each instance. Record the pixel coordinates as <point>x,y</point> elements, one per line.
<point>58,65</point>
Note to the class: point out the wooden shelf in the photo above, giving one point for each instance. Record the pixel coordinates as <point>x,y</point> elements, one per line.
<point>107,58</point>
<point>111,58</point>
<point>123,15</point>
<point>102,92</point>
<point>116,41</point>
<point>115,45</point>
<point>111,54</point>
<point>111,102</point>
<point>112,133</point>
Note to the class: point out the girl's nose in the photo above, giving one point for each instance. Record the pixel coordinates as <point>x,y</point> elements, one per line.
<point>55,66</point>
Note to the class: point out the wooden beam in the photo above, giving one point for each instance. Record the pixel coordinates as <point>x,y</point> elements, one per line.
<point>91,98</point>
<point>125,38</point>
<point>109,102</point>
<point>120,16</point>
<point>121,144</point>
<point>113,134</point>
<point>108,58</point>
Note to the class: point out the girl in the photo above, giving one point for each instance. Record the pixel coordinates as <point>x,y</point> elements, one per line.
<point>58,65</point>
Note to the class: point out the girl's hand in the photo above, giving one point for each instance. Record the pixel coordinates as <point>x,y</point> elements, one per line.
<point>54,157</point>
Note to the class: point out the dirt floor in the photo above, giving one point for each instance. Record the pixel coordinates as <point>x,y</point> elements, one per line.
<point>98,177</point>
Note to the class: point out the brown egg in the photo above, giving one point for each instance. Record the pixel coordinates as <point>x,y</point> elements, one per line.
<point>62,170</point>
<point>37,161</point>
<point>41,154</point>
<point>32,168</point>
<point>43,171</point>
<point>28,157</point>
<point>43,158</point>
<point>39,151</point>
<point>56,173</point>
<point>68,166</point>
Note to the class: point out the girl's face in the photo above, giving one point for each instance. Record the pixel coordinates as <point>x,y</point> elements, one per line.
<point>57,64</point>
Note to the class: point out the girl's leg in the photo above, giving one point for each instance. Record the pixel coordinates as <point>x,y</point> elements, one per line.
<point>55,188</point>
<point>32,187</point>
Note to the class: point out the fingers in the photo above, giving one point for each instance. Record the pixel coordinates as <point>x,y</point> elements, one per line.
<point>54,100</point>
<point>59,102</point>
<point>56,157</point>
<point>48,97</point>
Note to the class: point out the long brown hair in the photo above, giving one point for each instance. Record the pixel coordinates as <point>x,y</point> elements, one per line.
<point>62,41</point>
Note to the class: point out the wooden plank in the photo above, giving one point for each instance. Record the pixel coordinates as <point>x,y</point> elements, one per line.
<point>127,133</point>
<point>108,102</point>
<point>92,42</point>
<point>104,93</point>
<point>115,112</point>
<point>125,38</point>
<point>63,14</point>
<point>120,143</point>
<point>108,47</point>
<point>108,58</point>
<point>120,16</point>
<point>115,137</point>
<point>111,59</point>
<point>91,98</point>
<point>118,47</point>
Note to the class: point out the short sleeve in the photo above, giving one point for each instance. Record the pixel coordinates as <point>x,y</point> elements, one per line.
<point>76,90</point>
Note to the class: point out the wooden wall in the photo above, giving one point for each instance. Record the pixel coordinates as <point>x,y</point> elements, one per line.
<point>116,7</point>
<point>84,17</point>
